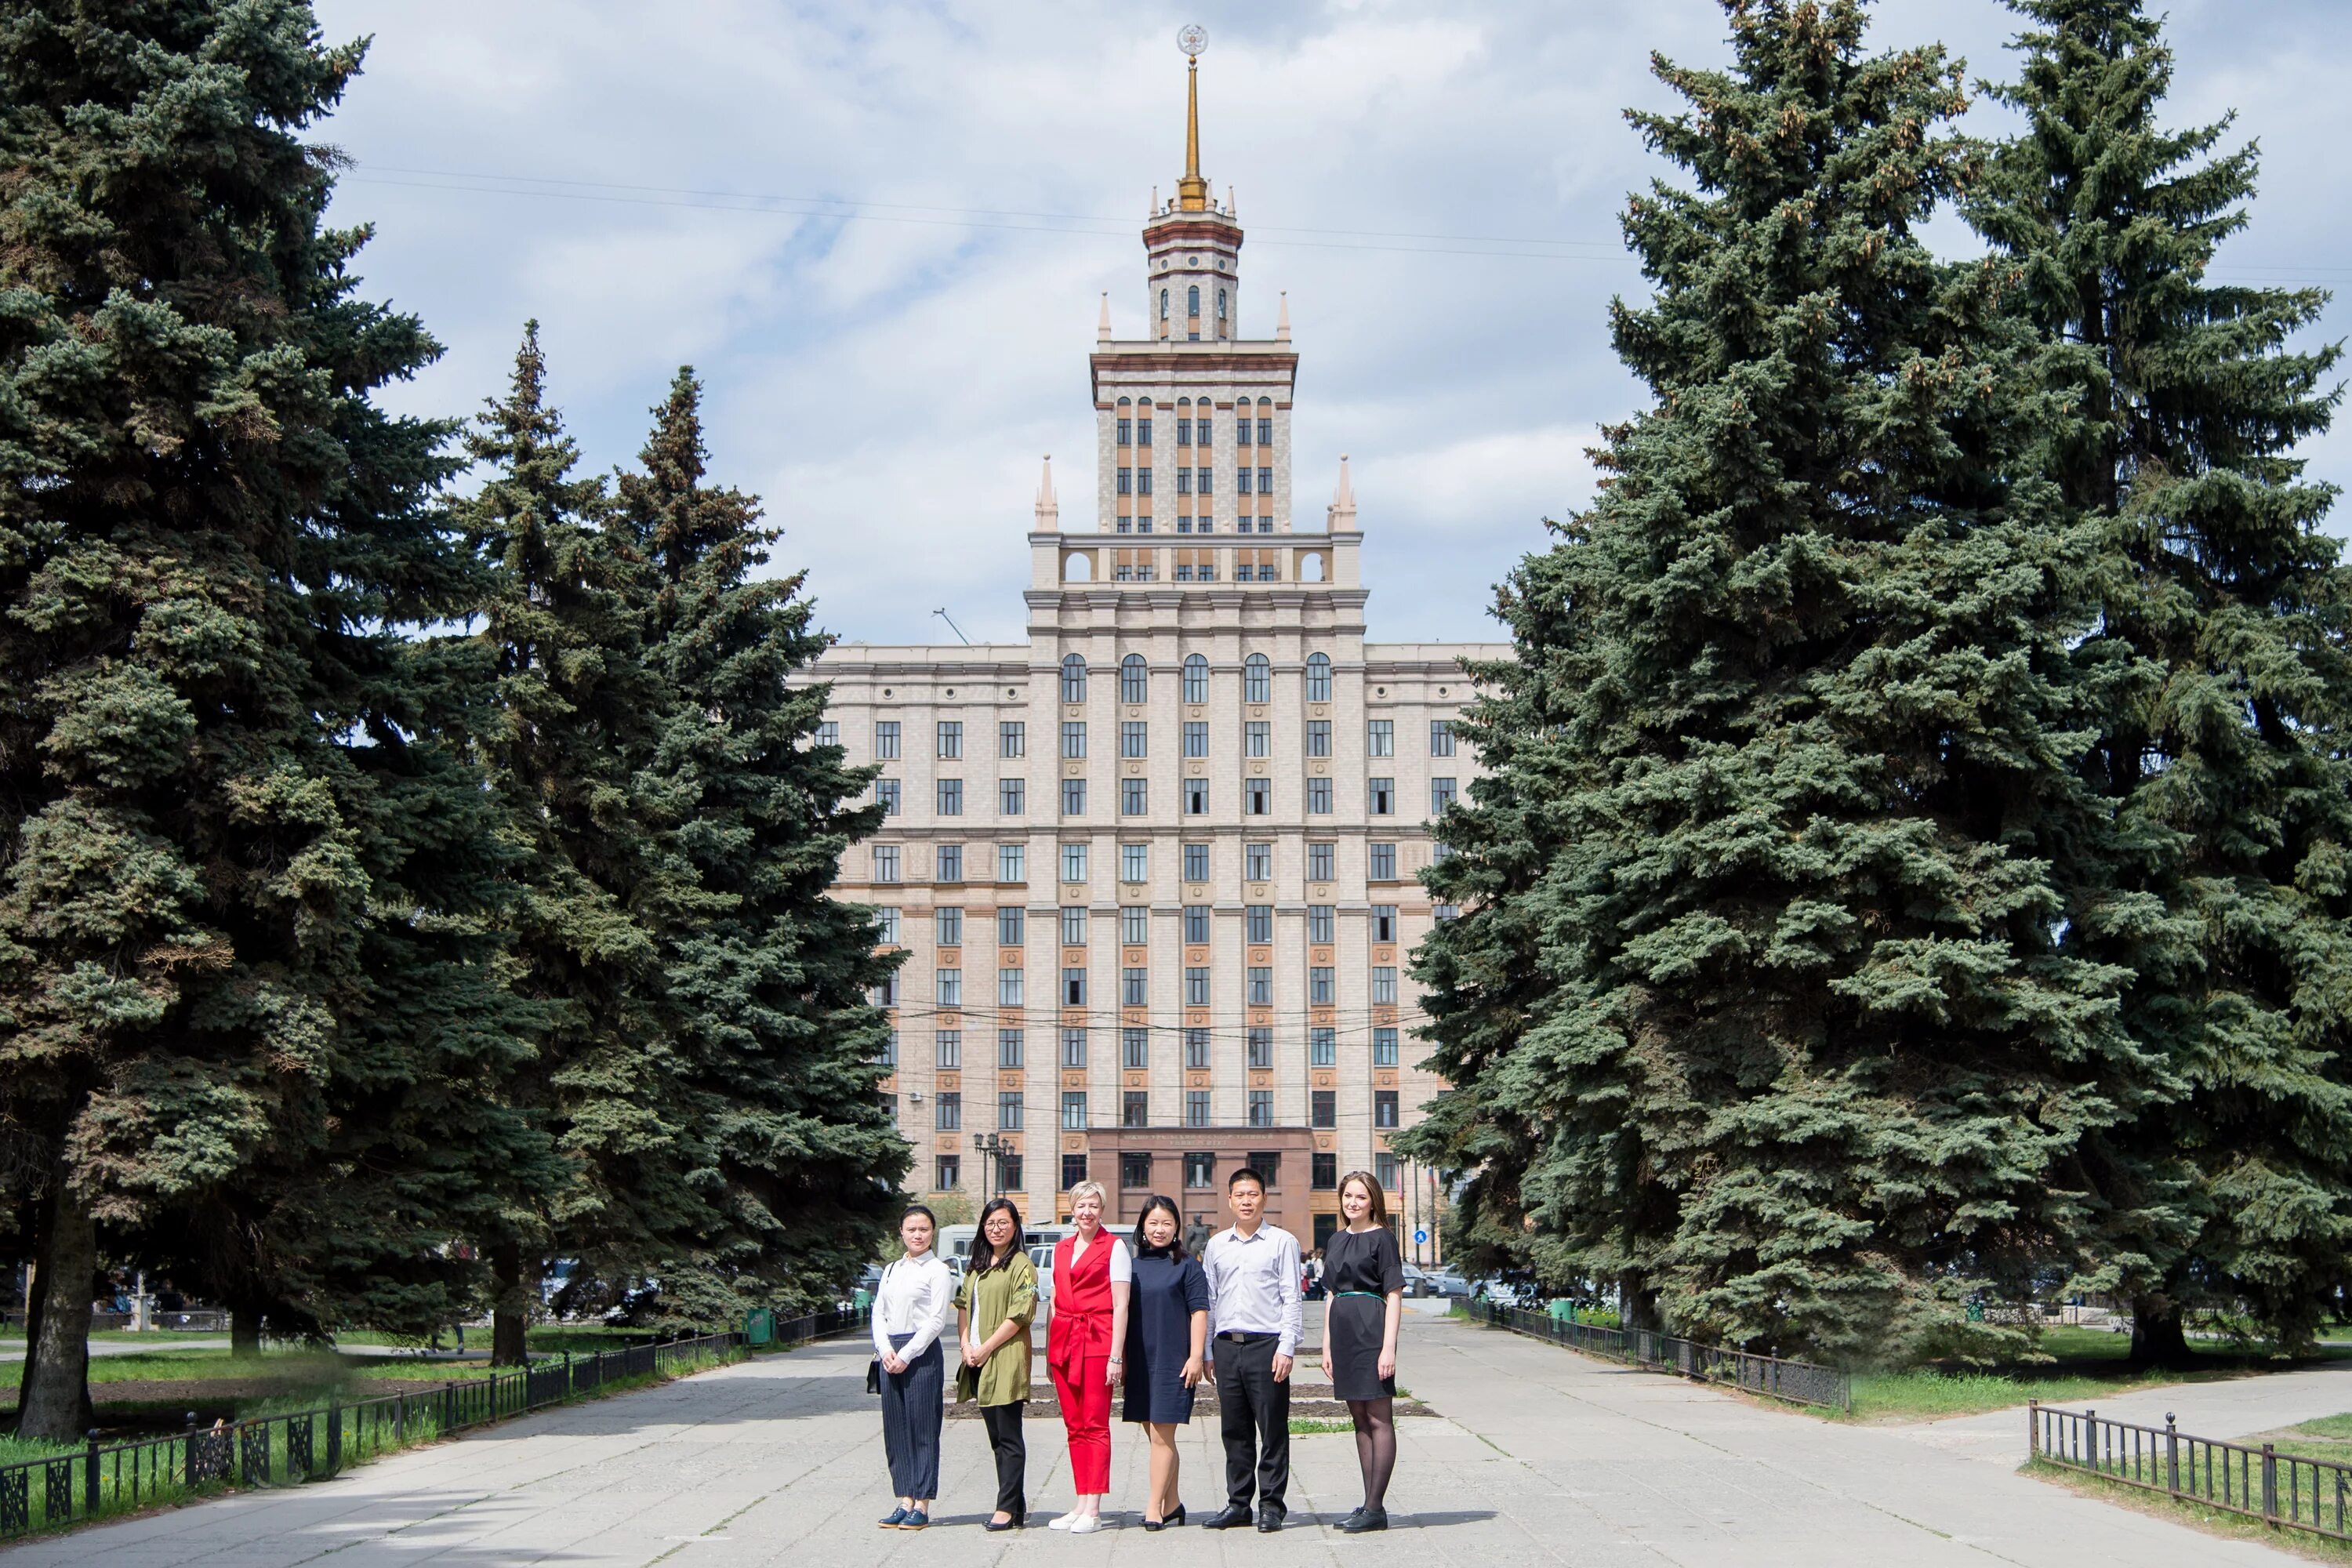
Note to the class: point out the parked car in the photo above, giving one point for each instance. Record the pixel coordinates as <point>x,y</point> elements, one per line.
<point>1449,1283</point>
<point>1416,1280</point>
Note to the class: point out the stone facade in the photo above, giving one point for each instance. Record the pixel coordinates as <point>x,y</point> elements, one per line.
<point>1155,868</point>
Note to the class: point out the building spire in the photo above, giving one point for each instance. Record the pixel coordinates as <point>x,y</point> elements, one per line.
<point>1341,519</point>
<point>1282,323</point>
<point>1102,327</point>
<point>1192,190</point>
<point>1049,510</point>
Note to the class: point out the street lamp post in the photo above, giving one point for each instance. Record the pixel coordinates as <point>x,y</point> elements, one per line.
<point>991,1148</point>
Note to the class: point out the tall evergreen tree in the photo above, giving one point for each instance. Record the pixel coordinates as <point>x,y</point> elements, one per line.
<point>1813,1065</point>
<point>2223,644</point>
<point>773,1042</point>
<point>210,542</point>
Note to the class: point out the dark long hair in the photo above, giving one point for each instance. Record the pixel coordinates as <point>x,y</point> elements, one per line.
<point>1175,1249</point>
<point>984,1256</point>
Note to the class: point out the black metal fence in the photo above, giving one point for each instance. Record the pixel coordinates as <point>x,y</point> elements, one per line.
<point>309,1444</point>
<point>2284,1490</point>
<point>1799,1382</point>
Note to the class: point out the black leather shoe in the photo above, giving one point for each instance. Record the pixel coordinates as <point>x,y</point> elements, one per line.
<point>1015,1523</point>
<point>1268,1520</point>
<point>1363,1519</point>
<point>1227,1518</point>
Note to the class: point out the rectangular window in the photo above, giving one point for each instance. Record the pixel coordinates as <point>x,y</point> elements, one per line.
<point>1443,912</point>
<point>1261,987</point>
<point>1134,738</point>
<point>1261,1108</point>
<point>950,863</point>
<point>1323,1047</point>
<point>1134,798</point>
<point>1074,1047</point>
<point>1441,737</point>
<point>1323,1107</point>
<point>1380,738</point>
<point>948,1107</point>
<point>951,988</point>
<point>1134,987</point>
<point>1127,482</point>
<point>1196,737</point>
<point>1134,925</point>
<point>1440,795</point>
<point>1384,1108</point>
<point>1135,1110</point>
<point>886,920</point>
<point>1240,481</point>
<point>886,995</point>
<point>1134,1165</point>
<point>1144,431</point>
<point>1265,432</point>
<point>950,739</point>
<point>1009,987</point>
<point>1011,797</point>
<point>1257,797</point>
<point>890,1050</point>
<point>1012,1046</point>
<point>1196,1049</point>
<point>1320,858</point>
<point>1196,923</point>
<point>1385,984</point>
<point>1196,797</point>
<point>1380,796</point>
<point>1012,738</point>
<point>1326,1172</point>
<point>1257,922</point>
<point>1318,797</point>
<point>1135,1049</point>
<point>947,927</point>
<point>948,1168</point>
<point>1135,862</point>
<point>947,1045</point>
<point>1073,797</point>
<point>1074,862</point>
<point>1196,1109</point>
<point>1384,1047</point>
<point>1013,863</point>
<point>1184,430</point>
<point>1319,737</point>
<point>885,862</point>
<point>1257,739</point>
<point>1074,1111</point>
<point>886,792</point>
<point>1384,922</point>
<point>1200,1170</point>
<point>1261,1049</point>
<point>1008,1110</point>
<point>1074,1171</point>
<point>828,733</point>
<point>1322,924</point>
<point>1074,925</point>
<point>1381,860</point>
<point>1387,1170</point>
<point>885,741</point>
<point>950,797</point>
<point>1196,862</point>
<point>1074,987</point>
<point>1008,1168</point>
<point>1265,481</point>
<point>1143,488</point>
<point>1268,1162</point>
<point>1074,739</point>
<point>1183,481</point>
<point>1202,480</point>
<point>1196,987</point>
<point>1322,987</point>
<point>1257,862</point>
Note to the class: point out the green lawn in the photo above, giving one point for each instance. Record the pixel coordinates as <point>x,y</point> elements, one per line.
<point>2083,1366</point>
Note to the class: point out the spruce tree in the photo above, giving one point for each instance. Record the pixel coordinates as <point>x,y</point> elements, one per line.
<point>2223,652</point>
<point>773,1042</point>
<point>1812,1064</point>
<point>210,545</point>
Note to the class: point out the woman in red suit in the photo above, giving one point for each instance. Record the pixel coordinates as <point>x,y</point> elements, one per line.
<point>1083,1341</point>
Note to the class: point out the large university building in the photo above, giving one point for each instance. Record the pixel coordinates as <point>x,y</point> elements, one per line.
<point>1155,868</point>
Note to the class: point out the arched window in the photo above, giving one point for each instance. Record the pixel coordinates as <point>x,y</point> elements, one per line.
<point>1134,679</point>
<point>1163,304</point>
<point>1192,300</point>
<point>1257,680</point>
<point>1074,680</point>
<point>1123,402</point>
<point>1220,304</point>
<point>1196,679</point>
<point>1318,677</point>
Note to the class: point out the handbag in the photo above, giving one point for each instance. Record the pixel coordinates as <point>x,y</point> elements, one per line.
<point>874,1375</point>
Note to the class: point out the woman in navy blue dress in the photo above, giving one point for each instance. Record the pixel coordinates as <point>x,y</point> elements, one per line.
<point>1167,1339</point>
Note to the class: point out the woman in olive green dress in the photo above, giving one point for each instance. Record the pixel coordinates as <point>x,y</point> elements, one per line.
<point>994,1306</point>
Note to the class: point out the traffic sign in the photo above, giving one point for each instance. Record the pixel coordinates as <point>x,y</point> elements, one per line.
<point>1421,1239</point>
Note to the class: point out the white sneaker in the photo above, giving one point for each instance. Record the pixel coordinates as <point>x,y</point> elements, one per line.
<point>1065,1522</point>
<point>1086,1524</point>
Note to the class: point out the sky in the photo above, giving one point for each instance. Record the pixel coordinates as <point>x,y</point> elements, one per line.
<point>880,232</point>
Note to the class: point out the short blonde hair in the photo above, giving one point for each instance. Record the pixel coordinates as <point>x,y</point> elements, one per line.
<point>1089,1190</point>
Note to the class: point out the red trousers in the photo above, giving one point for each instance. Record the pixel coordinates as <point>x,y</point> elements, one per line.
<point>1085,1392</point>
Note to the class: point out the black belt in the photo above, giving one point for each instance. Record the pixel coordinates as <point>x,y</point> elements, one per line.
<point>1244,1337</point>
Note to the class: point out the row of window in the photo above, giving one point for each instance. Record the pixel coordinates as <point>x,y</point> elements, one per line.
<point>1207,569</point>
<point>1135,796</point>
<point>1135,1171</point>
<point>1135,1051</point>
<point>1135,734</point>
<point>1135,986</point>
<point>1135,1110</point>
<point>1135,925</point>
<point>1135,424</point>
<point>1135,862</point>
<point>1195,482</point>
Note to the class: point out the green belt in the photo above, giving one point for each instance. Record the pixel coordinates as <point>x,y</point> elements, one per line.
<point>1367,1294</point>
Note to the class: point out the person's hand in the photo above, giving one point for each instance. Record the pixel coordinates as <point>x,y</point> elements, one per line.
<point>1327,1364</point>
<point>1209,1371</point>
<point>972,1354</point>
<point>1111,1371</point>
<point>893,1365</point>
<point>1192,1372</point>
<point>1388,1364</point>
<point>1281,1367</point>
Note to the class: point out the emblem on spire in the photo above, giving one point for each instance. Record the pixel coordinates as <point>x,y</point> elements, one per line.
<point>1192,190</point>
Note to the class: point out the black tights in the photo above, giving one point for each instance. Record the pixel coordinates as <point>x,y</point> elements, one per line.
<point>1375,1446</point>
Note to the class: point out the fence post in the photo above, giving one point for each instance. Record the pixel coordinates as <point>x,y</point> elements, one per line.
<point>89,1477</point>
<point>2270,1487</point>
<point>188,1469</point>
<point>334,1434</point>
<point>2171,1455</point>
<point>2032,1429</point>
<point>2091,1436</point>
<point>448,1409</point>
<point>568,1390</point>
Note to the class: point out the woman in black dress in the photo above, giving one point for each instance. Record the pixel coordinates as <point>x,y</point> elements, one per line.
<point>1363,1276</point>
<point>1167,1338</point>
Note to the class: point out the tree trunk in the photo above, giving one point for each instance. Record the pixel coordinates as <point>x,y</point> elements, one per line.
<point>2158,1337</point>
<point>1638,1302</point>
<point>38,1230</point>
<point>244,1330</point>
<point>56,1403</point>
<point>509,1305</point>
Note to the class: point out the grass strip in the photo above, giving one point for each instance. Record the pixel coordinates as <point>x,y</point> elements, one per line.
<point>2192,1511</point>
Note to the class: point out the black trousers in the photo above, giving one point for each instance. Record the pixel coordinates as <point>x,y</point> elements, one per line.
<point>1004,1423</point>
<point>1254,1414</point>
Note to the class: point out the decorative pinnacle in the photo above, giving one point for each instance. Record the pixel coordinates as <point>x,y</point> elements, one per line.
<point>1282,322</point>
<point>1049,510</point>
<point>1192,190</point>
<point>1341,519</point>
<point>1102,327</point>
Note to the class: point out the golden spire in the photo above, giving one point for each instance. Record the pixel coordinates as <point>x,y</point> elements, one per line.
<point>1192,190</point>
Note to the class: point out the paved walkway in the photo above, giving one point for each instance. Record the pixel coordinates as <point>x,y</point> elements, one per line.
<point>1540,1457</point>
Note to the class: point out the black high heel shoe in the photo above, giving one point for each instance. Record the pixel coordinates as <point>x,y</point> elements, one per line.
<point>1163,1523</point>
<point>1019,1521</point>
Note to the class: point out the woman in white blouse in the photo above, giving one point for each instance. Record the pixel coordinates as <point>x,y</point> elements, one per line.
<point>916,1301</point>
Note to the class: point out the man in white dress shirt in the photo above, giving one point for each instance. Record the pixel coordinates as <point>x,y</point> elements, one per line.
<point>1255,1317</point>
